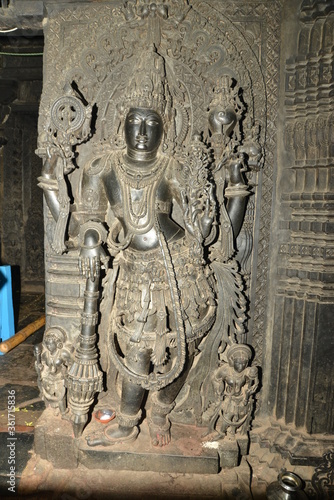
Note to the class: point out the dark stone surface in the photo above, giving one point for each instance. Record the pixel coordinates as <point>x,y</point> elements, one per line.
<point>17,373</point>
<point>54,441</point>
<point>21,204</point>
<point>22,393</point>
<point>229,453</point>
<point>299,388</point>
<point>35,338</point>
<point>10,363</point>
<point>299,447</point>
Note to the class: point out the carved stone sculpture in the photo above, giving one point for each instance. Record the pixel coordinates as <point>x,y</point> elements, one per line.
<point>53,357</point>
<point>235,385</point>
<point>147,193</point>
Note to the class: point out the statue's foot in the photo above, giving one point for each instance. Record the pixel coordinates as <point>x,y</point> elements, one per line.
<point>113,435</point>
<point>159,428</point>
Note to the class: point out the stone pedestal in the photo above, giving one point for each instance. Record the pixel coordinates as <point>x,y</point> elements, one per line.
<point>55,442</point>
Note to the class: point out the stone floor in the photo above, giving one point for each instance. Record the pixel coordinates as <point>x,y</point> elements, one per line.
<point>38,479</point>
<point>17,373</point>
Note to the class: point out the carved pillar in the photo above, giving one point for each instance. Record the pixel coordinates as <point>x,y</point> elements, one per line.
<point>301,385</point>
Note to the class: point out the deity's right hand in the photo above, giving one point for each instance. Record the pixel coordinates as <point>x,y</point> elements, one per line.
<point>92,253</point>
<point>190,214</point>
<point>90,260</point>
<point>236,168</point>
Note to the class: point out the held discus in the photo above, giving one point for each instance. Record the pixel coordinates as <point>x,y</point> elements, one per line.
<point>68,114</point>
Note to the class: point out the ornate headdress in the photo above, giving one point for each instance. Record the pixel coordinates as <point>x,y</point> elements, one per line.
<point>148,87</point>
<point>239,351</point>
<point>56,334</point>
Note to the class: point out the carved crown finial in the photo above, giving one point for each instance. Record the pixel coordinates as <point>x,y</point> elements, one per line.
<point>148,88</point>
<point>222,92</point>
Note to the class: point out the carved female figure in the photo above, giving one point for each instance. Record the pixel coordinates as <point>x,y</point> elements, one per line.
<point>235,382</point>
<point>52,359</point>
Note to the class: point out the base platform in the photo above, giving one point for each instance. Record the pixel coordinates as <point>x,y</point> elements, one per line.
<point>187,453</point>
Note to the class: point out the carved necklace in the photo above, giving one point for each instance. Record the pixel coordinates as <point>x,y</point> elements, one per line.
<point>139,215</point>
<point>136,178</point>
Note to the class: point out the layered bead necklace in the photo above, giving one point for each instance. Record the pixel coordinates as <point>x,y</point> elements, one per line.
<point>139,215</point>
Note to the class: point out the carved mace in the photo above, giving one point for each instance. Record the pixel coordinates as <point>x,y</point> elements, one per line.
<point>84,378</point>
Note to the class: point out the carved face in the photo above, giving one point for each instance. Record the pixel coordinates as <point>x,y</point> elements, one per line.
<point>143,130</point>
<point>239,364</point>
<point>51,344</point>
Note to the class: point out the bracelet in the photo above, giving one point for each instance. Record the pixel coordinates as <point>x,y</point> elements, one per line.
<point>240,190</point>
<point>49,184</point>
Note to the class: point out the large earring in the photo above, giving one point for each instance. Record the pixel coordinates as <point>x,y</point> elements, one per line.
<point>118,140</point>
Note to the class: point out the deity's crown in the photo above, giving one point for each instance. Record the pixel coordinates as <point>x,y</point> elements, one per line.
<point>148,87</point>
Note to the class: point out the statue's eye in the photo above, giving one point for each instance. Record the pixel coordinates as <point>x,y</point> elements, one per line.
<point>134,120</point>
<point>152,122</point>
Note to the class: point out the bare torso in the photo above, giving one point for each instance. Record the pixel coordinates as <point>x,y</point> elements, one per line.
<point>149,210</point>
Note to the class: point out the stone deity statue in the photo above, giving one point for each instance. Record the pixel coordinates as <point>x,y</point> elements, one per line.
<point>159,290</point>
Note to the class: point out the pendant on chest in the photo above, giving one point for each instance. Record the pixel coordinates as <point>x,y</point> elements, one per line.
<point>139,190</point>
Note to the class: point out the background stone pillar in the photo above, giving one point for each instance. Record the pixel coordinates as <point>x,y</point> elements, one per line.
<point>299,369</point>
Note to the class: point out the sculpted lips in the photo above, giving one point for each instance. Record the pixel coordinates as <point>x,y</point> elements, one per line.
<point>141,141</point>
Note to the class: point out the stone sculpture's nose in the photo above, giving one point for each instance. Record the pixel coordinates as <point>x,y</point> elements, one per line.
<point>142,128</point>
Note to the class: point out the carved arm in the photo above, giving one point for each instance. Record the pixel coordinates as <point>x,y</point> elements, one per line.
<point>49,184</point>
<point>236,193</point>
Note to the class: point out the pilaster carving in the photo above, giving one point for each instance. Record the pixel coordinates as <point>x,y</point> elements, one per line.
<point>305,293</point>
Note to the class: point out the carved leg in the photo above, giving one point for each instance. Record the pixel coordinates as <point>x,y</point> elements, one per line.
<point>125,429</point>
<point>63,407</point>
<point>226,421</point>
<point>163,402</point>
<point>158,421</point>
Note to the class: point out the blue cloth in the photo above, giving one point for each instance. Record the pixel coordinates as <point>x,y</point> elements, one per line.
<point>7,328</point>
